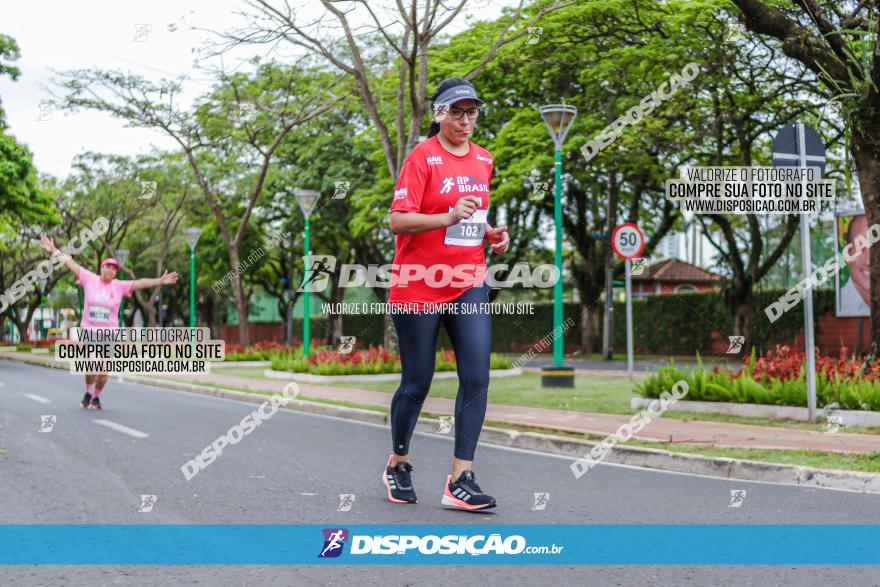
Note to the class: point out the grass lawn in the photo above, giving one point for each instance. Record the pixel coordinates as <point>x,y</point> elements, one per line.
<point>869,463</point>
<point>608,394</point>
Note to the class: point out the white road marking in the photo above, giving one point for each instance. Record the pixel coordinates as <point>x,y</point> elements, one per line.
<point>308,494</point>
<point>121,428</point>
<point>495,446</point>
<point>37,398</point>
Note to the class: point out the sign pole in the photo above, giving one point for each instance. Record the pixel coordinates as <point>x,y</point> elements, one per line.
<point>806,263</point>
<point>799,145</point>
<point>629,319</point>
<point>628,242</point>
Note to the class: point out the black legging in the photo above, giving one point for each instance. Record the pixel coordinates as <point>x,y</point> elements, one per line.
<point>471,336</point>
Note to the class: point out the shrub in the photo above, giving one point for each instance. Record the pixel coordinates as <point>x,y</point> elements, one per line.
<point>777,378</point>
<point>260,351</point>
<point>369,361</point>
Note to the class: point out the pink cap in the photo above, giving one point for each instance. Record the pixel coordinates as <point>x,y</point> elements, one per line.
<point>111,261</point>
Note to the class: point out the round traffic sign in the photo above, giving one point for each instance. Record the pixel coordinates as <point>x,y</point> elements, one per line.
<point>628,241</point>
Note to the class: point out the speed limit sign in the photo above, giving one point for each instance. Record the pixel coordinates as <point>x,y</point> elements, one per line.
<point>628,241</point>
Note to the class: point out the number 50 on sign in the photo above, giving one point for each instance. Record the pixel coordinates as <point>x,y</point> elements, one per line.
<point>628,241</point>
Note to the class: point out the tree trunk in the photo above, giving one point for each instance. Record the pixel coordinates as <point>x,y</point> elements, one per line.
<point>743,317</point>
<point>22,330</point>
<point>333,327</point>
<point>288,318</point>
<point>590,317</point>
<point>152,314</point>
<point>241,305</point>
<point>389,339</point>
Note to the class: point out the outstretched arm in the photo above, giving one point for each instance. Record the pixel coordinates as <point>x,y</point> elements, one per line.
<point>47,244</point>
<point>166,279</point>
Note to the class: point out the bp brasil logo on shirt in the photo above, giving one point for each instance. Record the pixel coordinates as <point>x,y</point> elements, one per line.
<point>466,184</point>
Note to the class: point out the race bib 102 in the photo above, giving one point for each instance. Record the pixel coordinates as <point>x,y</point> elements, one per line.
<point>467,233</point>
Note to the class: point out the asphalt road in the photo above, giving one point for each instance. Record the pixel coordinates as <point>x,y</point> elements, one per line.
<point>94,466</point>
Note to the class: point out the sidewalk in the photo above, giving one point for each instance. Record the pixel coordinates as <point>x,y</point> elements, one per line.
<point>665,429</point>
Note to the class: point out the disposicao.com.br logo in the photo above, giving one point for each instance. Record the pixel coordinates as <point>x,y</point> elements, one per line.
<point>334,540</point>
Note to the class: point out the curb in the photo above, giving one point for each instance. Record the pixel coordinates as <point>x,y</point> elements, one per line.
<point>651,458</point>
<point>771,412</point>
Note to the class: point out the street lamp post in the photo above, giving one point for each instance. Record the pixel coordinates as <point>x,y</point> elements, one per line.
<point>192,237</point>
<point>307,200</point>
<point>559,119</point>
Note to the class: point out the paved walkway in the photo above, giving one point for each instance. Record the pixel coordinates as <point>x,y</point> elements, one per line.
<point>664,429</point>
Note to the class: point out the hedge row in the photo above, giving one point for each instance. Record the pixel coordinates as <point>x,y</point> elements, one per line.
<point>679,324</point>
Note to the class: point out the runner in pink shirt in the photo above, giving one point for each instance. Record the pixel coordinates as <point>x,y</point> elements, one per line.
<point>103,294</point>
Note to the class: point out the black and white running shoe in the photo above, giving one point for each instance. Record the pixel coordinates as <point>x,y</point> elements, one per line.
<point>398,481</point>
<point>96,403</point>
<point>464,493</point>
<point>86,400</point>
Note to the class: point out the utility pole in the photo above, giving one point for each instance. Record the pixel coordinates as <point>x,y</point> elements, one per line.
<point>611,217</point>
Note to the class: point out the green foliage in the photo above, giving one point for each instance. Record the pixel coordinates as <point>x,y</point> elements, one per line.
<point>21,201</point>
<point>724,385</point>
<point>668,324</point>
<point>682,324</point>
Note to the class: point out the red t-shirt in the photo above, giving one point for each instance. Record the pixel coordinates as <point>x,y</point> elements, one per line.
<point>431,181</point>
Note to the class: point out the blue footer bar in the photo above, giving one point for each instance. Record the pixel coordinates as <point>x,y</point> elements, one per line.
<point>280,544</point>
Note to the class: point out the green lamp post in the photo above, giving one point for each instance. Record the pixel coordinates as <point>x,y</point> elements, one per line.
<point>192,237</point>
<point>559,119</point>
<point>307,200</point>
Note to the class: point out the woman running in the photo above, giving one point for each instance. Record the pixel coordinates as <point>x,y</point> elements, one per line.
<point>439,216</point>
<point>102,295</point>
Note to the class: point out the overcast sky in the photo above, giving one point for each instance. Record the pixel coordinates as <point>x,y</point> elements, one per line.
<point>106,35</point>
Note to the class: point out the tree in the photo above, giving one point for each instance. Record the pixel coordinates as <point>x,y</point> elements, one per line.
<point>147,225</point>
<point>319,156</point>
<point>229,138</point>
<point>749,96</point>
<point>400,35</point>
<point>837,42</point>
<point>20,199</point>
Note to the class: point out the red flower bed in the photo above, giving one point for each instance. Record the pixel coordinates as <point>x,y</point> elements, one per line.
<point>786,364</point>
<point>369,355</point>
